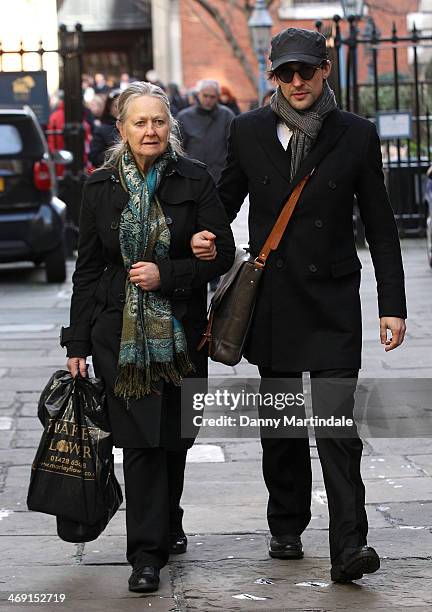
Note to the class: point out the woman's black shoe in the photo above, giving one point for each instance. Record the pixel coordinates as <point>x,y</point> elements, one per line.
<point>178,544</point>
<point>144,579</point>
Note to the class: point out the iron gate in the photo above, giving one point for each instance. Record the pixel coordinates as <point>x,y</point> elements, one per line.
<point>395,81</point>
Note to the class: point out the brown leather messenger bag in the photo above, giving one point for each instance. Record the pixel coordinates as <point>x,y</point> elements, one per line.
<point>232,306</point>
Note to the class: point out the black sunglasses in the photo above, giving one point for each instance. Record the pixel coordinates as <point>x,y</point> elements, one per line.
<point>306,71</point>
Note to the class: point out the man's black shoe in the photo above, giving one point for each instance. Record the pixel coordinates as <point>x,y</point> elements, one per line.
<point>286,547</point>
<point>353,563</point>
<point>144,579</point>
<point>178,544</point>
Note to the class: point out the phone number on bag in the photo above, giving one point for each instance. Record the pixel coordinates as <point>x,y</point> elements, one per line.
<point>37,597</point>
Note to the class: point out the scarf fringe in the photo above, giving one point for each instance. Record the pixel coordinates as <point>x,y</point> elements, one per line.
<point>134,383</point>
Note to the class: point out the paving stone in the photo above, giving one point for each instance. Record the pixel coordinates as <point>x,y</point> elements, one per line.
<point>25,397</point>
<point>30,424</point>
<point>6,438</point>
<point>422,462</point>
<point>206,586</point>
<point>17,456</point>
<point>408,514</point>
<point>399,489</point>
<point>29,384</point>
<point>29,409</point>
<point>28,438</point>
<point>401,446</point>
<point>81,584</point>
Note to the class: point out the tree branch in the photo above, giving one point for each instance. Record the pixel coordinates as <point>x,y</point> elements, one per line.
<point>230,38</point>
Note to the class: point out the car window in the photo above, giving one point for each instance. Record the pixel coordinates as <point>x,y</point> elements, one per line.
<point>10,140</point>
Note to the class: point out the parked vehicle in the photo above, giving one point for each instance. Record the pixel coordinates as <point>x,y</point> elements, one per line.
<point>32,217</point>
<point>428,204</point>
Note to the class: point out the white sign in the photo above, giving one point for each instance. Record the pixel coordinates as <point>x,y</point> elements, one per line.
<point>394,125</point>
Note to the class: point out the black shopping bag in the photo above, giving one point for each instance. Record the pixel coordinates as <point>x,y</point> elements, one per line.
<point>73,470</point>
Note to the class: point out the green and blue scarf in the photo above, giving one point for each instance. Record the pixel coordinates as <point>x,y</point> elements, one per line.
<point>153,344</point>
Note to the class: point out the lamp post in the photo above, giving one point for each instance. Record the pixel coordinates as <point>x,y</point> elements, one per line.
<point>260,24</point>
<point>353,8</point>
<point>353,12</point>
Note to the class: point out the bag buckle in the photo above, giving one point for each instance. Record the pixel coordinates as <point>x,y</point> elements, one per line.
<point>259,261</point>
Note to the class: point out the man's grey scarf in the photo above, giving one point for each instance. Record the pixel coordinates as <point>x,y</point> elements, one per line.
<point>305,125</point>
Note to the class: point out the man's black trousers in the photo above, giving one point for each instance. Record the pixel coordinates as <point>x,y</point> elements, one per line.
<point>288,475</point>
<point>153,484</point>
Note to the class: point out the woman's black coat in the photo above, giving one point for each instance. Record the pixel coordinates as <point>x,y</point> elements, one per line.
<point>308,314</point>
<point>190,203</point>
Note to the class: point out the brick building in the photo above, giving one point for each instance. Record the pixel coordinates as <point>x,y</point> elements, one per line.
<point>205,52</point>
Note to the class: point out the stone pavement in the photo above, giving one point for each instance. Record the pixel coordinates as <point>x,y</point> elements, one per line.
<point>226,566</point>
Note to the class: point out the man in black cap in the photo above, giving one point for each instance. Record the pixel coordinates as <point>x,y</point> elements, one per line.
<point>307,317</point>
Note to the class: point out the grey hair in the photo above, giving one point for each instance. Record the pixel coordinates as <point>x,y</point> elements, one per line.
<point>204,83</point>
<point>135,90</point>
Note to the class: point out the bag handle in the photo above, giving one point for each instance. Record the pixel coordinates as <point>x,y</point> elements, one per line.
<point>272,242</point>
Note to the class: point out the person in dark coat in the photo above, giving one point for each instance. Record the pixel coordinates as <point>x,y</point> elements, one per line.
<point>205,128</point>
<point>177,101</point>
<point>106,134</point>
<point>307,316</point>
<point>228,99</point>
<point>138,308</point>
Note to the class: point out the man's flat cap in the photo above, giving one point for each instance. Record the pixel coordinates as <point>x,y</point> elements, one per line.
<point>298,45</point>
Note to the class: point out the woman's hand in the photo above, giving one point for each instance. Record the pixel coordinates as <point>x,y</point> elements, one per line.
<point>77,365</point>
<point>145,275</point>
<point>203,246</point>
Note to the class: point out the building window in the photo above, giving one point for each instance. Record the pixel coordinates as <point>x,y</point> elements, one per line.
<point>309,9</point>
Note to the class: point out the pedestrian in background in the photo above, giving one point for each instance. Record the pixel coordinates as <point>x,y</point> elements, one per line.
<point>177,101</point>
<point>100,84</point>
<point>228,99</point>
<point>125,81</point>
<point>106,134</point>
<point>96,107</point>
<point>138,308</point>
<point>205,128</point>
<point>307,316</point>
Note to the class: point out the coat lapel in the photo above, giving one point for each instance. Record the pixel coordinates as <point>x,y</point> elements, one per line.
<point>266,127</point>
<point>266,130</point>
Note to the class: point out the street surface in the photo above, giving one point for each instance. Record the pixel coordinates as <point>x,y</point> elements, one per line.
<point>226,566</point>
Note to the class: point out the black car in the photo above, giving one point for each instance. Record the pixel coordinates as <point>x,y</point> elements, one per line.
<point>32,217</point>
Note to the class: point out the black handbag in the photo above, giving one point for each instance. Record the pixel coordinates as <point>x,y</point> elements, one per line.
<point>232,305</point>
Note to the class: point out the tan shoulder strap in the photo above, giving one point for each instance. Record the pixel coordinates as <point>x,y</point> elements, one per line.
<point>272,242</point>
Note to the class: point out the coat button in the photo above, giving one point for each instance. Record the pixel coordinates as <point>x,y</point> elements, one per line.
<point>168,220</point>
<point>265,180</point>
<point>178,291</point>
<point>122,298</point>
<point>332,184</point>
<point>280,263</point>
<point>312,268</point>
<point>114,224</point>
<point>318,223</point>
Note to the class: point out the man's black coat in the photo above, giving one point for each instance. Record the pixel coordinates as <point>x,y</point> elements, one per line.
<point>308,314</point>
<point>190,203</point>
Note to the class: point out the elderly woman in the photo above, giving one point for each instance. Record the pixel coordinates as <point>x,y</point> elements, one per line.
<point>139,307</point>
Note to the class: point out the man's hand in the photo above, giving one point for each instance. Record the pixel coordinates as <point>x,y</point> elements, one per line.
<point>397,328</point>
<point>203,246</point>
<point>145,274</point>
<point>77,365</point>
